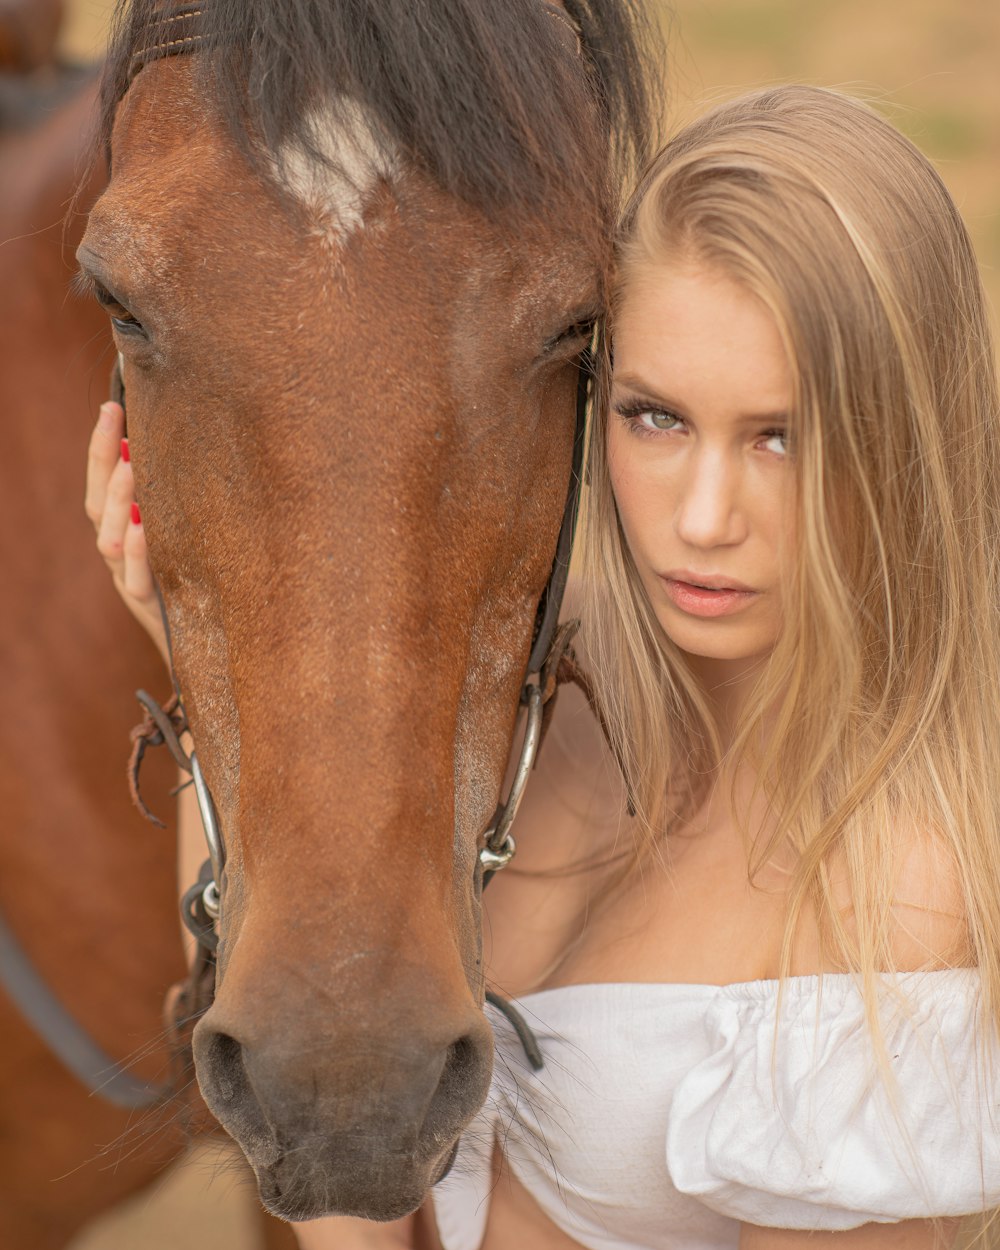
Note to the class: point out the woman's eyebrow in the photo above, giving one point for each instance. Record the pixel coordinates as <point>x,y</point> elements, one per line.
<point>629,386</point>
<point>638,389</point>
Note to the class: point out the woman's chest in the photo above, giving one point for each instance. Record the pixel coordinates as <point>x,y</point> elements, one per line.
<point>579,904</point>
<point>694,918</point>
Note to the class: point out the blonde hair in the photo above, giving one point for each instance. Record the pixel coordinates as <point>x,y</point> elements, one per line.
<point>882,697</point>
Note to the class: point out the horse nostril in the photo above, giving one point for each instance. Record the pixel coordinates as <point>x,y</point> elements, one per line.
<point>463,1073</point>
<point>461,1055</point>
<point>222,1071</point>
<point>228,1065</point>
<point>221,1063</point>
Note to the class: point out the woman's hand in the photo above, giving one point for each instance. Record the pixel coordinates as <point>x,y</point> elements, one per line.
<point>110,504</point>
<point>341,1233</point>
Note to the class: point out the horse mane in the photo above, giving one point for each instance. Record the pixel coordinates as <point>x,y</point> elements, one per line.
<point>480,94</point>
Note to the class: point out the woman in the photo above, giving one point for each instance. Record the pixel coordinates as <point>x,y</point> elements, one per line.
<point>768,1000</point>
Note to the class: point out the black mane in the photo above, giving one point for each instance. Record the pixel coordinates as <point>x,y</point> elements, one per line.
<point>479,93</point>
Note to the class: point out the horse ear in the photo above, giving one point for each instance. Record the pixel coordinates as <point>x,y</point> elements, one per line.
<point>569,32</point>
<point>117,385</point>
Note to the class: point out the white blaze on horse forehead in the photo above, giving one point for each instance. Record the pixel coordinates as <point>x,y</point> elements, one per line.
<point>359,161</point>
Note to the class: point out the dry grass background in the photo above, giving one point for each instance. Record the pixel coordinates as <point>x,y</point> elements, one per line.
<point>930,65</point>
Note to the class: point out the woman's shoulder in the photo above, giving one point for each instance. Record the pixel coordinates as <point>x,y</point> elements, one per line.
<point>930,928</point>
<point>923,899</point>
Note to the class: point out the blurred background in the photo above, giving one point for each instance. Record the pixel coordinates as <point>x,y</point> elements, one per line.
<point>930,65</point>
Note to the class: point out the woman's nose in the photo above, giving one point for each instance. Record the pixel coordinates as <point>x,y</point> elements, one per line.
<point>709,512</point>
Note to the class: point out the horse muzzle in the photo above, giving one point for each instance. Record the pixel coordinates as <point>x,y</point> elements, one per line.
<point>349,1120</point>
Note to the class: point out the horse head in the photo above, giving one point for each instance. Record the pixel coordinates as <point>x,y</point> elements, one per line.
<point>352,254</point>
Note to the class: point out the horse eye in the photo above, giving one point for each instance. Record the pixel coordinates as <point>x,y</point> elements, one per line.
<point>128,325</point>
<point>575,336</point>
<point>582,330</point>
<point>121,318</point>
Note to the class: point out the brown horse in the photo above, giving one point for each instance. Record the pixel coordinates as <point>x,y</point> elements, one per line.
<point>87,889</point>
<point>28,33</point>
<point>351,254</point>
<point>83,885</point>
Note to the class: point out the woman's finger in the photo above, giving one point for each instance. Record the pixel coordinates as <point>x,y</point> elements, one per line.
<point>102,456</point>
<point>121,540</point>
<point>137,576</point>
<point>138,586</point>
<point>114,520</point>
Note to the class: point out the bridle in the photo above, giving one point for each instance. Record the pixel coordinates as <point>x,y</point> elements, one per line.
<point>179,30</point>
<point>547,666</point>
<point>549,663</point>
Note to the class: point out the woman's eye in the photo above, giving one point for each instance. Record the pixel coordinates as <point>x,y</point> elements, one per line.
<point>654,420</point>
<point>650,420</point>
<point>775,441</point>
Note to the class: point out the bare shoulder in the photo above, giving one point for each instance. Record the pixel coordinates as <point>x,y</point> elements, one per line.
<point>930,921</point>
<point>928,926</point>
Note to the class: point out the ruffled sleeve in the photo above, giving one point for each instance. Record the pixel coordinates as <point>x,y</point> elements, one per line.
<point>788,1122</point>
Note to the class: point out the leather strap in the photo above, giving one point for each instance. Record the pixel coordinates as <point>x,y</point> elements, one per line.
<point>552,597</point>
<point>180,29</point>
<point>64,1037</point>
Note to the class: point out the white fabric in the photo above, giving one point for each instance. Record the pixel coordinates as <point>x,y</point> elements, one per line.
<point>664,1115</point>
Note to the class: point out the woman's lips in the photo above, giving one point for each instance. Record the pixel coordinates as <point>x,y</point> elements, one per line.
<point>707,600</point>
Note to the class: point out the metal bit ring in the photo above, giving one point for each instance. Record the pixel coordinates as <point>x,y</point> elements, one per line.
<point>500,847</point>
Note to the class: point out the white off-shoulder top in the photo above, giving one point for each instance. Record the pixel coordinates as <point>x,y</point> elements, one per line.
<point>667,1114</point>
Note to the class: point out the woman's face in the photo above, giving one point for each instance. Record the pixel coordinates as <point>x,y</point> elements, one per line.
<point>699,460</point>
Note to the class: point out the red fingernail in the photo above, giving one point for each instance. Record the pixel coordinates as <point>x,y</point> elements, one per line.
<point>125,456</point>
<point>136,518</point>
